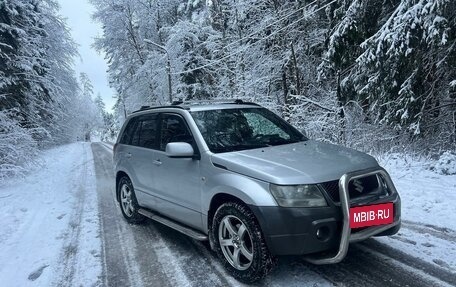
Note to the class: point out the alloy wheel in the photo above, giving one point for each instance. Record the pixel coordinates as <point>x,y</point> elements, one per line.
<point>126,201</point>
<point>235,242</point>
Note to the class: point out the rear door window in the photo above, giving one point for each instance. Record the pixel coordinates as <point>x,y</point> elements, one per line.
<point>146,132</point>
<point>149,132</point>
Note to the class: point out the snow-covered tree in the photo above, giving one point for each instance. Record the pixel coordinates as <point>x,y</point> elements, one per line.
<point>40,103</point>
<point>86,115</point>
<point>401,66</point>
<point>107,129</point>
<point>341,69</point>
<point>17,147</point>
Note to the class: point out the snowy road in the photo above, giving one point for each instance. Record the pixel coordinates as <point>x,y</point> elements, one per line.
<point>62,227</point>
<point>154,255</point>
<point>49,234</point>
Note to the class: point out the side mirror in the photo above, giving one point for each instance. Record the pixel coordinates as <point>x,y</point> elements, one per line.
<point>179,150</point>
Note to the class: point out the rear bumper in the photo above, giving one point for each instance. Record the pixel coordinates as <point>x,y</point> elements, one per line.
<point>301,231</point>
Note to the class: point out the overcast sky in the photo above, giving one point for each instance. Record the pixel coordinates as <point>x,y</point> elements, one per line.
<point>84,30</point>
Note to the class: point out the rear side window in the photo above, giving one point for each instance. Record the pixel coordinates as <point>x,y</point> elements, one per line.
<point>135,137</point>
<point>128,132</point>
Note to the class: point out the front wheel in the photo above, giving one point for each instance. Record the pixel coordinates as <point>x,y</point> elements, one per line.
<point>239,243</point>
<point>128,203</point>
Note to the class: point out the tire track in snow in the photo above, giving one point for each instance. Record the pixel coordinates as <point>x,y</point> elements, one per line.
<point>419,266</point>
<point>190,257</point>
<point>88,265</point>
<point>71,245</point>
<point>118,269</point>
<point>371,263</point>
<point>436,231</point>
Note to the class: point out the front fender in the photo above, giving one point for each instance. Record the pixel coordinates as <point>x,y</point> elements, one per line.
<point>250,190</point>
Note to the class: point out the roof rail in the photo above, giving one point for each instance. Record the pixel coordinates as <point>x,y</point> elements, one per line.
<point>178,104</point>
<point>147,108</point>
<point>213,101</point>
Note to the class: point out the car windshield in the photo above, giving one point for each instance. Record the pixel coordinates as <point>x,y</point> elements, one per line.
<point>226,130</point>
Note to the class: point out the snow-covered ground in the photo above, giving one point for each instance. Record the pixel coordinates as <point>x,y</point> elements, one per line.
<point>45,239</point>
<point>428,211</point>
<point>50,231</point>
<point>427,196</point>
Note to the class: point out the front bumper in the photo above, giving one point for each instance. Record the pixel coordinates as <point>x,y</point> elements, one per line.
<point>303,231</point>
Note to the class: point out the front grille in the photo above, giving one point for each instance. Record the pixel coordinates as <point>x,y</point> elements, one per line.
<point>360,187</point>
<point>332,189</point>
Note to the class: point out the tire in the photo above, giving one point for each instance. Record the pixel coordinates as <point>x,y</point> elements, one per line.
<point>239,243</point>
<point>128,203</point>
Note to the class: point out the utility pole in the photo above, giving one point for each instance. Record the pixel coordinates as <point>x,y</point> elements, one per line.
<point>168,67</point>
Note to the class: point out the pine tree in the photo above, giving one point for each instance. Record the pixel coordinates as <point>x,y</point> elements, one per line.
<point>39,93</point>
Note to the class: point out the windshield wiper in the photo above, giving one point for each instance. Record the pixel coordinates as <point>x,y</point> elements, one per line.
<point>281,141</point>
<point>238,147</point>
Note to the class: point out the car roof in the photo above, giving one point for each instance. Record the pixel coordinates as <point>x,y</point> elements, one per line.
<point>202,106</point>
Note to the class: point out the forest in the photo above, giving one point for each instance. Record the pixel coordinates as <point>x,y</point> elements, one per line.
<point>43,103</point>
<point>375,75</point>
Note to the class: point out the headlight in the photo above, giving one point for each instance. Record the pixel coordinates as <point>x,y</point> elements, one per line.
<point>298,195</point>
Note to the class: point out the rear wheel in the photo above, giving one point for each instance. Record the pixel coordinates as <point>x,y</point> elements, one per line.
<point>128,203</point>
<point>239,243</point>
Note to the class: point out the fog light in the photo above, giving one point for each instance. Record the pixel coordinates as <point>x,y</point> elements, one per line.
<point>323,233</point>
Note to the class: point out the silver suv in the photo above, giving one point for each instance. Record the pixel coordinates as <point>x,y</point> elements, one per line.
<point>239,176</point>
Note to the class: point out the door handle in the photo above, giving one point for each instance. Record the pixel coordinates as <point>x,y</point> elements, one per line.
<point>128,155</point>
<point>157,162</point>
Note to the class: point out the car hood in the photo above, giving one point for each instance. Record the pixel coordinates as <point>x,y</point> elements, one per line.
<point>299,163</point>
